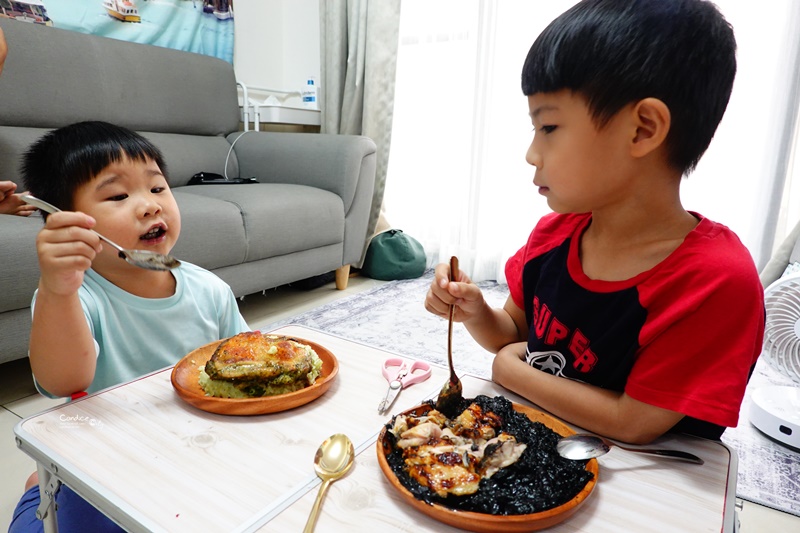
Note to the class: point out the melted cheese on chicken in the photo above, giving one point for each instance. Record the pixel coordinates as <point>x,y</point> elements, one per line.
<point>253,356</point>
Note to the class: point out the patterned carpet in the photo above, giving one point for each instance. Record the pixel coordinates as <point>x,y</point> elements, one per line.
<point>769,472</point>
<point>392,317</point>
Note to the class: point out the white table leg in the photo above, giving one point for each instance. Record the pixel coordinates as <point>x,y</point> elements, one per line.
<point>48,486</point>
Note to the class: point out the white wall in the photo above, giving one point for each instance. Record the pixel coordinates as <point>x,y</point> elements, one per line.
<point>276,43</point>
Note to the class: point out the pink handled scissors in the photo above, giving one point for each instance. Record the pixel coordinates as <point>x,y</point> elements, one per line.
<point>400,374</point>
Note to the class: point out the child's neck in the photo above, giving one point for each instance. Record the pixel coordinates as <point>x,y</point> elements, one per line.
<point>145,284</point>
<point>619,247</point>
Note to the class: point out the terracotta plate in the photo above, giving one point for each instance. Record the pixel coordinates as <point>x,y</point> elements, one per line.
<point>186,381</point>
<point>487,523</point>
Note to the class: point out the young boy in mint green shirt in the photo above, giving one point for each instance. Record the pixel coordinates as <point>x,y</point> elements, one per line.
<point>98,320</point>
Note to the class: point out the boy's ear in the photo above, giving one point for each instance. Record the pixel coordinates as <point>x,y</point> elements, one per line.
<point>652,120</point>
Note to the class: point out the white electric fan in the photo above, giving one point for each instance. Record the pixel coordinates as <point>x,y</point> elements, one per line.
<point>776,409</point>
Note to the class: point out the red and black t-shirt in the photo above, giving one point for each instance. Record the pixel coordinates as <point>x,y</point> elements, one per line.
<point>682,336</point>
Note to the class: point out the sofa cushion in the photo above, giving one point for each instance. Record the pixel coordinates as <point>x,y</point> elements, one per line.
<point>186,155</point>
<point>19,274</point>
<point>297,157</point>
<point>54,77</point>
<point>212,231</point>
<point>277,220</point>
<point>16,334</point>
<point>13,143</point>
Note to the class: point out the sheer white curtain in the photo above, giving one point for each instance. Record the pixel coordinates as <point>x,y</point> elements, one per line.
<point>457,177</point>
<point>743,179</point>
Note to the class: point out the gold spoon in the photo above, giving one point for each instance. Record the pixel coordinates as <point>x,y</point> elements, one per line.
<point>450,396</point>
<point>332,461</point>
<point>140,258</point>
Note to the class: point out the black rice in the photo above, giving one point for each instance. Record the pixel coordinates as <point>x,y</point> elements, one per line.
<point>540,480</point>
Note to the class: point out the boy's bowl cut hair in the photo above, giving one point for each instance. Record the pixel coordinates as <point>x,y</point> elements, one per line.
<point>617,52</point>
<point>64,159</point>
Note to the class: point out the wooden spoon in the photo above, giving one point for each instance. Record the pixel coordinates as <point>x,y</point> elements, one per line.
<point>449,401</point>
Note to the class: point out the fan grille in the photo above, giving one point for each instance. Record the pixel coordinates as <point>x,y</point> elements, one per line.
<point>782,328</point>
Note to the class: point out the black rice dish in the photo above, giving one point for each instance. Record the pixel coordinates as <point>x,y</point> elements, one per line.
<point>539,480</point>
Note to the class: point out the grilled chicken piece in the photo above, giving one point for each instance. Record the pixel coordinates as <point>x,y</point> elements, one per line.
<point>404,423</point>
<point>473,423</point>
<point>499,453</point>
<point>441,468</point>
<point>400,425</point>
<point>436,417</point>
<point>419,435</point>
<point>452,456</point>
<point>446,479</point>
<point>252,356</point>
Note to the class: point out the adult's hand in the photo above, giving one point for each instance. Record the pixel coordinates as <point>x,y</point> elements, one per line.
<point>3,49</point>
<point>11,203</point>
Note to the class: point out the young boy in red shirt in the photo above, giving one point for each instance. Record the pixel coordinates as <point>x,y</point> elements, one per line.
<point>654,314</point>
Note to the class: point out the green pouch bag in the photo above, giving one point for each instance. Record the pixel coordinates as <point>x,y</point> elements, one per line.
<point>393,255</point>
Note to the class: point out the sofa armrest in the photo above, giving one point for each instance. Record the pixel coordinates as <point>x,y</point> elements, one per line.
<point>786,253</point>
<point>336,163</point>
<point>342,164</point>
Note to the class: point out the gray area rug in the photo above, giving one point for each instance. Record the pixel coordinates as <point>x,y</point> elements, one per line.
<point>392,317</point>
<point>769,472</point>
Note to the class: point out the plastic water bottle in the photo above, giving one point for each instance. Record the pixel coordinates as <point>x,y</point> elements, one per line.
<point>309,94</point>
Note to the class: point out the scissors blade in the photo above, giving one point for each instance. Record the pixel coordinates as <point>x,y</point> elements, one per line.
<point>391,395</point>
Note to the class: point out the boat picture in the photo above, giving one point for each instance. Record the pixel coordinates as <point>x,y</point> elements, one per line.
<point>202,26</point>
<point>123,10</point>
<point>25,11</point>
<point>220,8</point>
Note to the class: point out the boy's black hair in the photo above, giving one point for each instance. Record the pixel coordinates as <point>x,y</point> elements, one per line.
<point>64,159</point>
<point>616,52</point>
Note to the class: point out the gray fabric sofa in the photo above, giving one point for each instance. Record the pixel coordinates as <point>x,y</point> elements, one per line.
<point>307,215</point>
<point>787,253</point>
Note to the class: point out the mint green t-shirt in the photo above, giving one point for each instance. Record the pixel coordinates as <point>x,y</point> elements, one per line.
<point>135,336</point>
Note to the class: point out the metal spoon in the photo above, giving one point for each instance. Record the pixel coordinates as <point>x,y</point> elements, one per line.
<point>332,461</point>
<point>140,258</point>
<point>585,446</point>
<point>450,396</point>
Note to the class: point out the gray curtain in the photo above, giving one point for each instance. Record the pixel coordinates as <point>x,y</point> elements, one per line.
<point>358,41</point>
<point>786,100</point>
